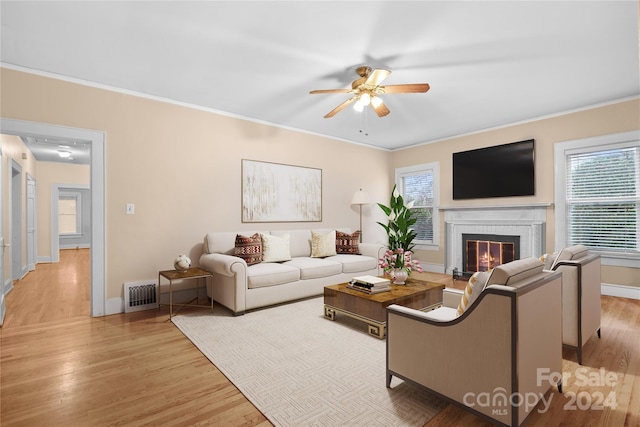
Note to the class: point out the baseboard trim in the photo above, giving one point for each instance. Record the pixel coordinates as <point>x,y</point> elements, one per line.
<point>621,291</point>
<point>432,267</point>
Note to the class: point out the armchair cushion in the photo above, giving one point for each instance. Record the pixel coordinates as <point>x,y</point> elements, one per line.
<point>570,253</point>
<point>474,287</point>
<point>515,271</point>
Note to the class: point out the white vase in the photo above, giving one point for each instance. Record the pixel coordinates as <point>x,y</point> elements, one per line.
<point>399,275</point>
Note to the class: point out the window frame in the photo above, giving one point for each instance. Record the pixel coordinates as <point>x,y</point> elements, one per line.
<point>77,196</point>
<point>434,169</point>
<point>587,145</point>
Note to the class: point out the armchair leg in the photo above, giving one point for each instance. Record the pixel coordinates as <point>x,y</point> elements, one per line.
<point>389,376</point>
<point>599,333</point>
<point>559,386</point>
<point>579,351</point>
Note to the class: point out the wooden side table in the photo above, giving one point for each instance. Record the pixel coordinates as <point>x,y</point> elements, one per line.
<point>192,273</point>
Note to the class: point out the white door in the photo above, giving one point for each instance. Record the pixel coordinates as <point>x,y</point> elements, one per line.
<point>31,223</point>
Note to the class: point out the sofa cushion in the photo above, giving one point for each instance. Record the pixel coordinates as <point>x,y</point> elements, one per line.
<point>347,243</point>
<point>249,248</point>
<point>271,274</point>
<point>299,241</point>
<point>323,244</point>
<point>474,288</point>
<point>355,263</point>
<point>312,268</point>
<point>514,271</point>
<point>275,248</point>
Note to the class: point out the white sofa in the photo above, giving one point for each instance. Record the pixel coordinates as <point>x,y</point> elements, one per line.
<point>242,287</point>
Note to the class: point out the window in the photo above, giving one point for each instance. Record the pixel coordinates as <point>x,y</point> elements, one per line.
<point>69,214</point>
<point>420,184</point>
<point>598,195</point>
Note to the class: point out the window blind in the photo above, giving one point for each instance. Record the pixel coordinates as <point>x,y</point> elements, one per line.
<point>67,216</point>
<point>419,188</point>
<point>603,199</point>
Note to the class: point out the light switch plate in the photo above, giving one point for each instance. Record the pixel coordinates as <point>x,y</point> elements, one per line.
<point>130,209</point>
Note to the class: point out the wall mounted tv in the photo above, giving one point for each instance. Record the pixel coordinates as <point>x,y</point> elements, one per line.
<point>500,171</point>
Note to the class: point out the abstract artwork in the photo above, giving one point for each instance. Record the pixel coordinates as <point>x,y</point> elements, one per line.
<point>273,192</point>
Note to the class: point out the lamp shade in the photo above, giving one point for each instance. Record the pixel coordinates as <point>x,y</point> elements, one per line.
<point>360,198</point>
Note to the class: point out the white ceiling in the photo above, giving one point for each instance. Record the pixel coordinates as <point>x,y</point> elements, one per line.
<point>488,63</point>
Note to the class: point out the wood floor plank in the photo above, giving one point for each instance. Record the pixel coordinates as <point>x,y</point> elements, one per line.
<point>59,366</point>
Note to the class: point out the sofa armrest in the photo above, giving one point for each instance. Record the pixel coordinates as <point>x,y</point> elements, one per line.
<point>451,297</point>
<point>374,250</point>
<point>226,265</point>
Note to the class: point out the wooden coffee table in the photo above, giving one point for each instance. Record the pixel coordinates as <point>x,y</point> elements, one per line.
<point>372,309</point>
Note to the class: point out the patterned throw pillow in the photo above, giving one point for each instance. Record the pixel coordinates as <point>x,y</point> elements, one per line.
<point>249,248</point>
<point>275,249</point>
<point>474,287</point>
<point>347,243</point>
<point>323,245</point>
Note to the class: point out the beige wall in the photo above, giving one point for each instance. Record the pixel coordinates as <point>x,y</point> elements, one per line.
<point>181,169</point>
<point>620,117</point>
<point>50,173</point>
<point>13,148</point>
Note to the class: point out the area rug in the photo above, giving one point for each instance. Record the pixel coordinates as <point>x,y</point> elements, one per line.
<point>300,369</point>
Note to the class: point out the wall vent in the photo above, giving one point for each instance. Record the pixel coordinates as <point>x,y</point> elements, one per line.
<point>141,295</point>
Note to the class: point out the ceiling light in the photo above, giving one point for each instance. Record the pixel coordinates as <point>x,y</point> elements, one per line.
<point>359,105</point>
<point>365,98</point>
<point>64,154</point>
<point>375,101</point>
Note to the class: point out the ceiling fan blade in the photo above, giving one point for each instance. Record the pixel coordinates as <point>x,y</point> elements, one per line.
<point>331,91</point>
<point>407,88</point>
<point>339,108</point>
<point>380,108</point>
<point>377,76</point>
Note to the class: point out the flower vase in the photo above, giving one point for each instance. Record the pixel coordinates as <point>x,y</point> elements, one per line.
<point>399,275</point>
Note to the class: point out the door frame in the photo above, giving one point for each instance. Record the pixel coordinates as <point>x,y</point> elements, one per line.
<point>31,216</point>
<point>15,220</point>
<point>97,139</point>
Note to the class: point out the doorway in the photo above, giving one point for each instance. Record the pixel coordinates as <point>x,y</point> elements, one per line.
<point>97,141</point>
<point>15,213</point>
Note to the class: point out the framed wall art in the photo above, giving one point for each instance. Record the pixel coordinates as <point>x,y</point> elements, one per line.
<point>274,192</point>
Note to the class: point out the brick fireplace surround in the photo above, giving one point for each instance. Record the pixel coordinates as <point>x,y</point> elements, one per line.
<point>526,221</point>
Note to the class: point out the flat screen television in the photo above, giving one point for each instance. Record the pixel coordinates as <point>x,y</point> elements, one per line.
<point>500,171</point>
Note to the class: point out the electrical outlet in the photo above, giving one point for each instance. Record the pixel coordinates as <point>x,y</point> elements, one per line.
<point>130,209</point>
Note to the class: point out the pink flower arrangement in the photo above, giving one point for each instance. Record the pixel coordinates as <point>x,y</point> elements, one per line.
<point>399,259</point>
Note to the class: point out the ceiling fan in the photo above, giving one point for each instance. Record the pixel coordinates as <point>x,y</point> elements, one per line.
<point>366,89</point>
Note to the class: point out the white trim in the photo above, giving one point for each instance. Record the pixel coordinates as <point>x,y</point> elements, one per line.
<point>98,192</point>
<point>56,190</point>
<point>434,168</point>
<point>620,291</point>
<point>560,149</point>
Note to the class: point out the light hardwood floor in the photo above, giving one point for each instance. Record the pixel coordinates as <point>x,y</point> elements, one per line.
<point>60,367</point>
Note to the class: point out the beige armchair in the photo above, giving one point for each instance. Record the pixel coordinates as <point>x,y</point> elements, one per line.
<point>580,295</point>
<point>499,357</point>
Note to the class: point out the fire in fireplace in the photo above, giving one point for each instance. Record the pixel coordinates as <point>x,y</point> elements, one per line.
<point>483,252</point>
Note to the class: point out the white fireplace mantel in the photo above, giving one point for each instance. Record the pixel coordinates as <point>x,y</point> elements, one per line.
<point>527,222</point>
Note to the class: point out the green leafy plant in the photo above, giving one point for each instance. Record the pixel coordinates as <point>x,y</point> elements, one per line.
<point>399,231</point>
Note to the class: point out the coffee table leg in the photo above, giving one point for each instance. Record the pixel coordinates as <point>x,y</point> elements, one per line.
<point>378,331</point>
<point>329,313</point>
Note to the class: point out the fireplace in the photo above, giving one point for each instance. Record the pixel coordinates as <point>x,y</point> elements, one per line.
<point>483,252</point>
<point>527,222</point>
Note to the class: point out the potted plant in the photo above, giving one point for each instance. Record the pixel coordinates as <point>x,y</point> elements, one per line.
<point>397,262</point>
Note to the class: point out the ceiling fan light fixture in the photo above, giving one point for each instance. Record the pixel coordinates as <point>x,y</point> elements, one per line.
<point>64,154</point>
<point>375,101</point>
<point>358,105</point>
